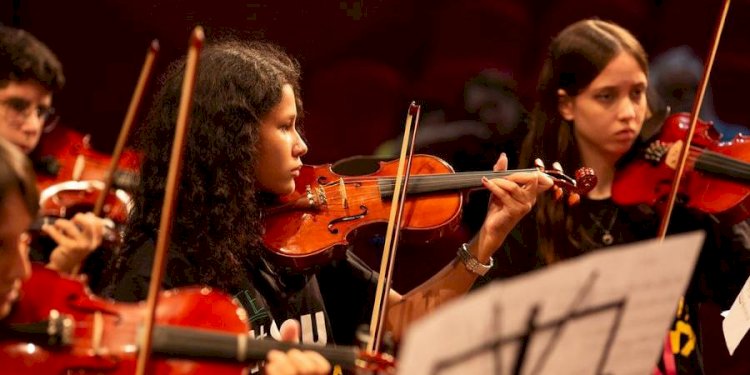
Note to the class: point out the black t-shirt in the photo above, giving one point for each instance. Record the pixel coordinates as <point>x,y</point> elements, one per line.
<point>268,297</point>
<point>722,268</point>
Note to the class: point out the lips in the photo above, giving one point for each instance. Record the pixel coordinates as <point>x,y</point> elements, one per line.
<point>625,134</point>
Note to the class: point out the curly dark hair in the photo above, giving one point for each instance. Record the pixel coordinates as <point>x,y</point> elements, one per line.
<point>575,58</point>
<point>217,221</point>
<point>24,58</point>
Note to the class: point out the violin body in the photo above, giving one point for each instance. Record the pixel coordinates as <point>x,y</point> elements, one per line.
<point>316,222</point>
<point>104,332</point>
<point>70,180</point>
<point>65,199</point>
<point>716,176</point>
<point>65,154</point>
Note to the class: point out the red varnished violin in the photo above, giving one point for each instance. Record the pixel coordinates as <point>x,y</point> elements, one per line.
<point>58,327</point>
<point>716,175</point>
<point>311,224</point>
<point>75,183</point>
<point>66,155</point>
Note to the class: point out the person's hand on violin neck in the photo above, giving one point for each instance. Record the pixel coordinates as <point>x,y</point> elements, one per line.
<point>76,239</point>
<point>512,198</point>
<point>294,361</point>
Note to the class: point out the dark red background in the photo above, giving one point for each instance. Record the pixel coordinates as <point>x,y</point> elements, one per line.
<point>363,60</point>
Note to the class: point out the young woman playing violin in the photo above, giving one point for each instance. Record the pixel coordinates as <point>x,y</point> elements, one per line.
<point>590,111</point>
<point>29,74</point>
<point>243,151</point>
<point>19,204</point>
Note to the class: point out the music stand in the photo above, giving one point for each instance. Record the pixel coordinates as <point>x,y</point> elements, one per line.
<point>603,313</point>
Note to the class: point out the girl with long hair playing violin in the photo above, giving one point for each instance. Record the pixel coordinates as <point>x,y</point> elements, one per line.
<point>591,108</point>
<point>243,151</point>
<point>19,205</point>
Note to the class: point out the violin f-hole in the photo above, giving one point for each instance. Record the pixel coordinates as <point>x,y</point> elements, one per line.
<point>333,222</point>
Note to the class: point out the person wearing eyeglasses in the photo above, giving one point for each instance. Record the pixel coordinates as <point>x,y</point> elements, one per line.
<point>29,76</point>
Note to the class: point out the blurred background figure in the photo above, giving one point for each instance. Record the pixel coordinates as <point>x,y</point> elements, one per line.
<point>674,77</point>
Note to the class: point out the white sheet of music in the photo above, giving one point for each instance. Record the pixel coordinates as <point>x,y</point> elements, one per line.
<point>737,320</point>
<point>603,313</point>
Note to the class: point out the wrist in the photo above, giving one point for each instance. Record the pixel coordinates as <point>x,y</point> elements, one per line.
<point>472,263</point>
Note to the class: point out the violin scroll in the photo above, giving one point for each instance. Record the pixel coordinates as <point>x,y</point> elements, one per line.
<point>583,183</point>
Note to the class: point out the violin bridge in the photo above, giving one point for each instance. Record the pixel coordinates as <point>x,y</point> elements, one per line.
<point>673,155</point>
<point>342,190</point>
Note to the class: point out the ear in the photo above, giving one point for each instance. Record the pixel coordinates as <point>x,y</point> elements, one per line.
<point>565,105</point>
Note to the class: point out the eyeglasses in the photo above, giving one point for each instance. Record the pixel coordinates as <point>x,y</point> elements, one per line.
<point>18,111</point>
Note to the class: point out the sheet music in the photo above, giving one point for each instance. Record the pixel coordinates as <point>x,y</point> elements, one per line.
<point>737,320</point>
<point>603,313</point>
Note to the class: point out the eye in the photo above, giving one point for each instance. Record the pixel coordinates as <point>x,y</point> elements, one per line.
<point>18,104</point>
<point>45,112</point>
<point>604,96</point>
<point>637,93</point>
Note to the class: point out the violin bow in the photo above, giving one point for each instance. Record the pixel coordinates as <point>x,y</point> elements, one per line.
<point>127,123</point>
<point>385,277</point>
<point>700,93</point>
<point>170,194</point>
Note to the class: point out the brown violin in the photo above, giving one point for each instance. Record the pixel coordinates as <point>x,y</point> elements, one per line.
<point>716,179</point>
<point>312,225</point>
<point>58,327</point>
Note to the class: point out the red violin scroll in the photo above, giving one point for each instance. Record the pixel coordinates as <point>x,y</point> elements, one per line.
<point>716,175</point>
<point>57,327</point>
<point>314,222</point>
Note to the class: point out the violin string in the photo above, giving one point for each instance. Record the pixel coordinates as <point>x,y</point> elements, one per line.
<point>716,159</point>
<point>449,181</point>
<point>726,164</point>
<point>441,176</point>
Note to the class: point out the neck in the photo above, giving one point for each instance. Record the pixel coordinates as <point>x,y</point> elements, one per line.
<point>604,167</point>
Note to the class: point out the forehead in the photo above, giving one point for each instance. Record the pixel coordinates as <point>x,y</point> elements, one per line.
<point>623,70</point>
<point>28,90</point>
<point>287,106</point>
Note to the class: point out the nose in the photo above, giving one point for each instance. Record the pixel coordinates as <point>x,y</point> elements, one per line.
<point>18,267</point>
<point>627,110</point>
<point>33,124</point>
<point>300,147</point>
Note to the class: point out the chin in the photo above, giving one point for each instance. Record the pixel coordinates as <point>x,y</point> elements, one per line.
<point>285,189</point>
<point>4,310</point>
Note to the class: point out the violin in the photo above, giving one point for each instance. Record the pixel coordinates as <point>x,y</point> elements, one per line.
<point>66,155</point>
<point>58,327</point>
<point>310,226</point>
<point>65,199</point>
<point>716,174</point>
<point>69,179</point>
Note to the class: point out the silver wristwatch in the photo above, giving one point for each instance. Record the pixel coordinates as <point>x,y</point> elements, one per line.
<point>472,263</point>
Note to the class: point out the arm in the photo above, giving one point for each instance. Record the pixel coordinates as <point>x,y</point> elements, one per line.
<point>512,198</point>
